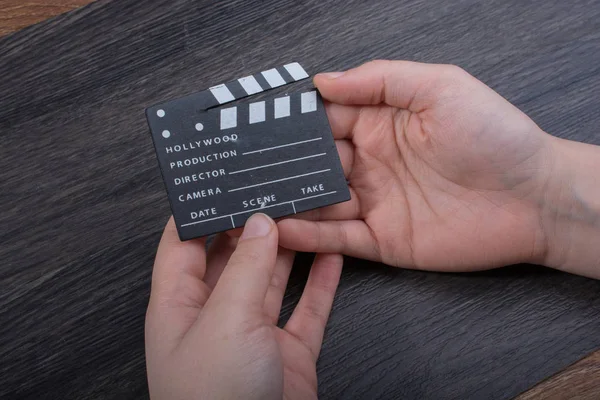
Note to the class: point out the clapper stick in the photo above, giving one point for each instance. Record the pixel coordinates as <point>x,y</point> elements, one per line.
<point>240,88</point>
<point>221,164</point>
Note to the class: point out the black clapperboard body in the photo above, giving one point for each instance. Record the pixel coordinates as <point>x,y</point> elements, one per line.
<point>221,164</point>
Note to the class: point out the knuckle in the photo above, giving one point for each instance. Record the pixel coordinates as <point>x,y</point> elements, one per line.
<point>342,236</point>
<point>376,63</point>
<point>247,255</point>
<point>252,257</point>
<point>324,288</point>
<point>318,236</point>
<point>313,312</point>
<point>450,81</point>
<point>454,73</point>
<point>278,281</point>
<point>452,69</point>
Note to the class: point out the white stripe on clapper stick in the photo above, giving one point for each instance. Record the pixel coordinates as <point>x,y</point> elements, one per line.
<point>296,71</point>
<point>250,85</point>
<point>222,93</point>
<point>273,77</point>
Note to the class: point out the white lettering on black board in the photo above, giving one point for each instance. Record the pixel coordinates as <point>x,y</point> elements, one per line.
<point>199,194</point>
<point>188,162</point>
<point>203,213</point>
<point>313,189</point>
<point>260,201</point>
<point>201,176</point>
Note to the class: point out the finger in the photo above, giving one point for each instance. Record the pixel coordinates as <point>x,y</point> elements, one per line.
<point>309,319</point>
<point>235,233</point>
<point>218,255</point>
<point>345,150</point>
<point>347,210</point>
<point>246,277</point>
<point>342,119</point>
<point>279,280</point>
<point>352,238</point>
<point>178,293</point>
<point>400,84</point>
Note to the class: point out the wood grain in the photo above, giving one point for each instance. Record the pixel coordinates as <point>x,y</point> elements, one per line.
<point>18,14</point>
<point>580,381</point>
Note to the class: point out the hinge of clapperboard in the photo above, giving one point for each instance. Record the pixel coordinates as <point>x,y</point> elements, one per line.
<point>253,84</point>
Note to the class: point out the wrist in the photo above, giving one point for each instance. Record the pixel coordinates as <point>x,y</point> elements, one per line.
<point>570,208</point>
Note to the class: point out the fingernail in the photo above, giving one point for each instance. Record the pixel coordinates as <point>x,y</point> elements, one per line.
<point>257,225</point>
<point>332,75</point>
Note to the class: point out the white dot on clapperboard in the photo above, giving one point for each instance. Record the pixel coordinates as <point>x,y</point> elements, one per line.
<point>166,134</point>
<point>199,126</point>
<point>160,113</point>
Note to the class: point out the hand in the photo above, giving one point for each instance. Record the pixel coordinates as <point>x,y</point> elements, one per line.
<point>444,173</point>
<point>211,326</point>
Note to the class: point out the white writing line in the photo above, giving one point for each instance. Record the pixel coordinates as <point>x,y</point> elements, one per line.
<point>294,206</point>
<point>279,147</point>
<point>261,208</point>
<point>279,180</point>
<point>277,163</point>
<point>232,223</point>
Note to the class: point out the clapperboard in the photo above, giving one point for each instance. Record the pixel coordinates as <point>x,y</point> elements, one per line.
<point>221,164</point>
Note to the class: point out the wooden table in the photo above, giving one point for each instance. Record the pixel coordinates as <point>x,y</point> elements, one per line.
<point>581,380</point>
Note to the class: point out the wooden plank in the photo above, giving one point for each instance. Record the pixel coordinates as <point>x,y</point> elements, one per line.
<point>18,14</point>
<point>581,380</point>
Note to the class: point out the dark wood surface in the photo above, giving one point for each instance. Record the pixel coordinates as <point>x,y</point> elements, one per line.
<point>83,204</point>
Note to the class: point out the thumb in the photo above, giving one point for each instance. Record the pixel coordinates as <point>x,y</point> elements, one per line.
<point>248,273</point>
<point>401,84</point>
